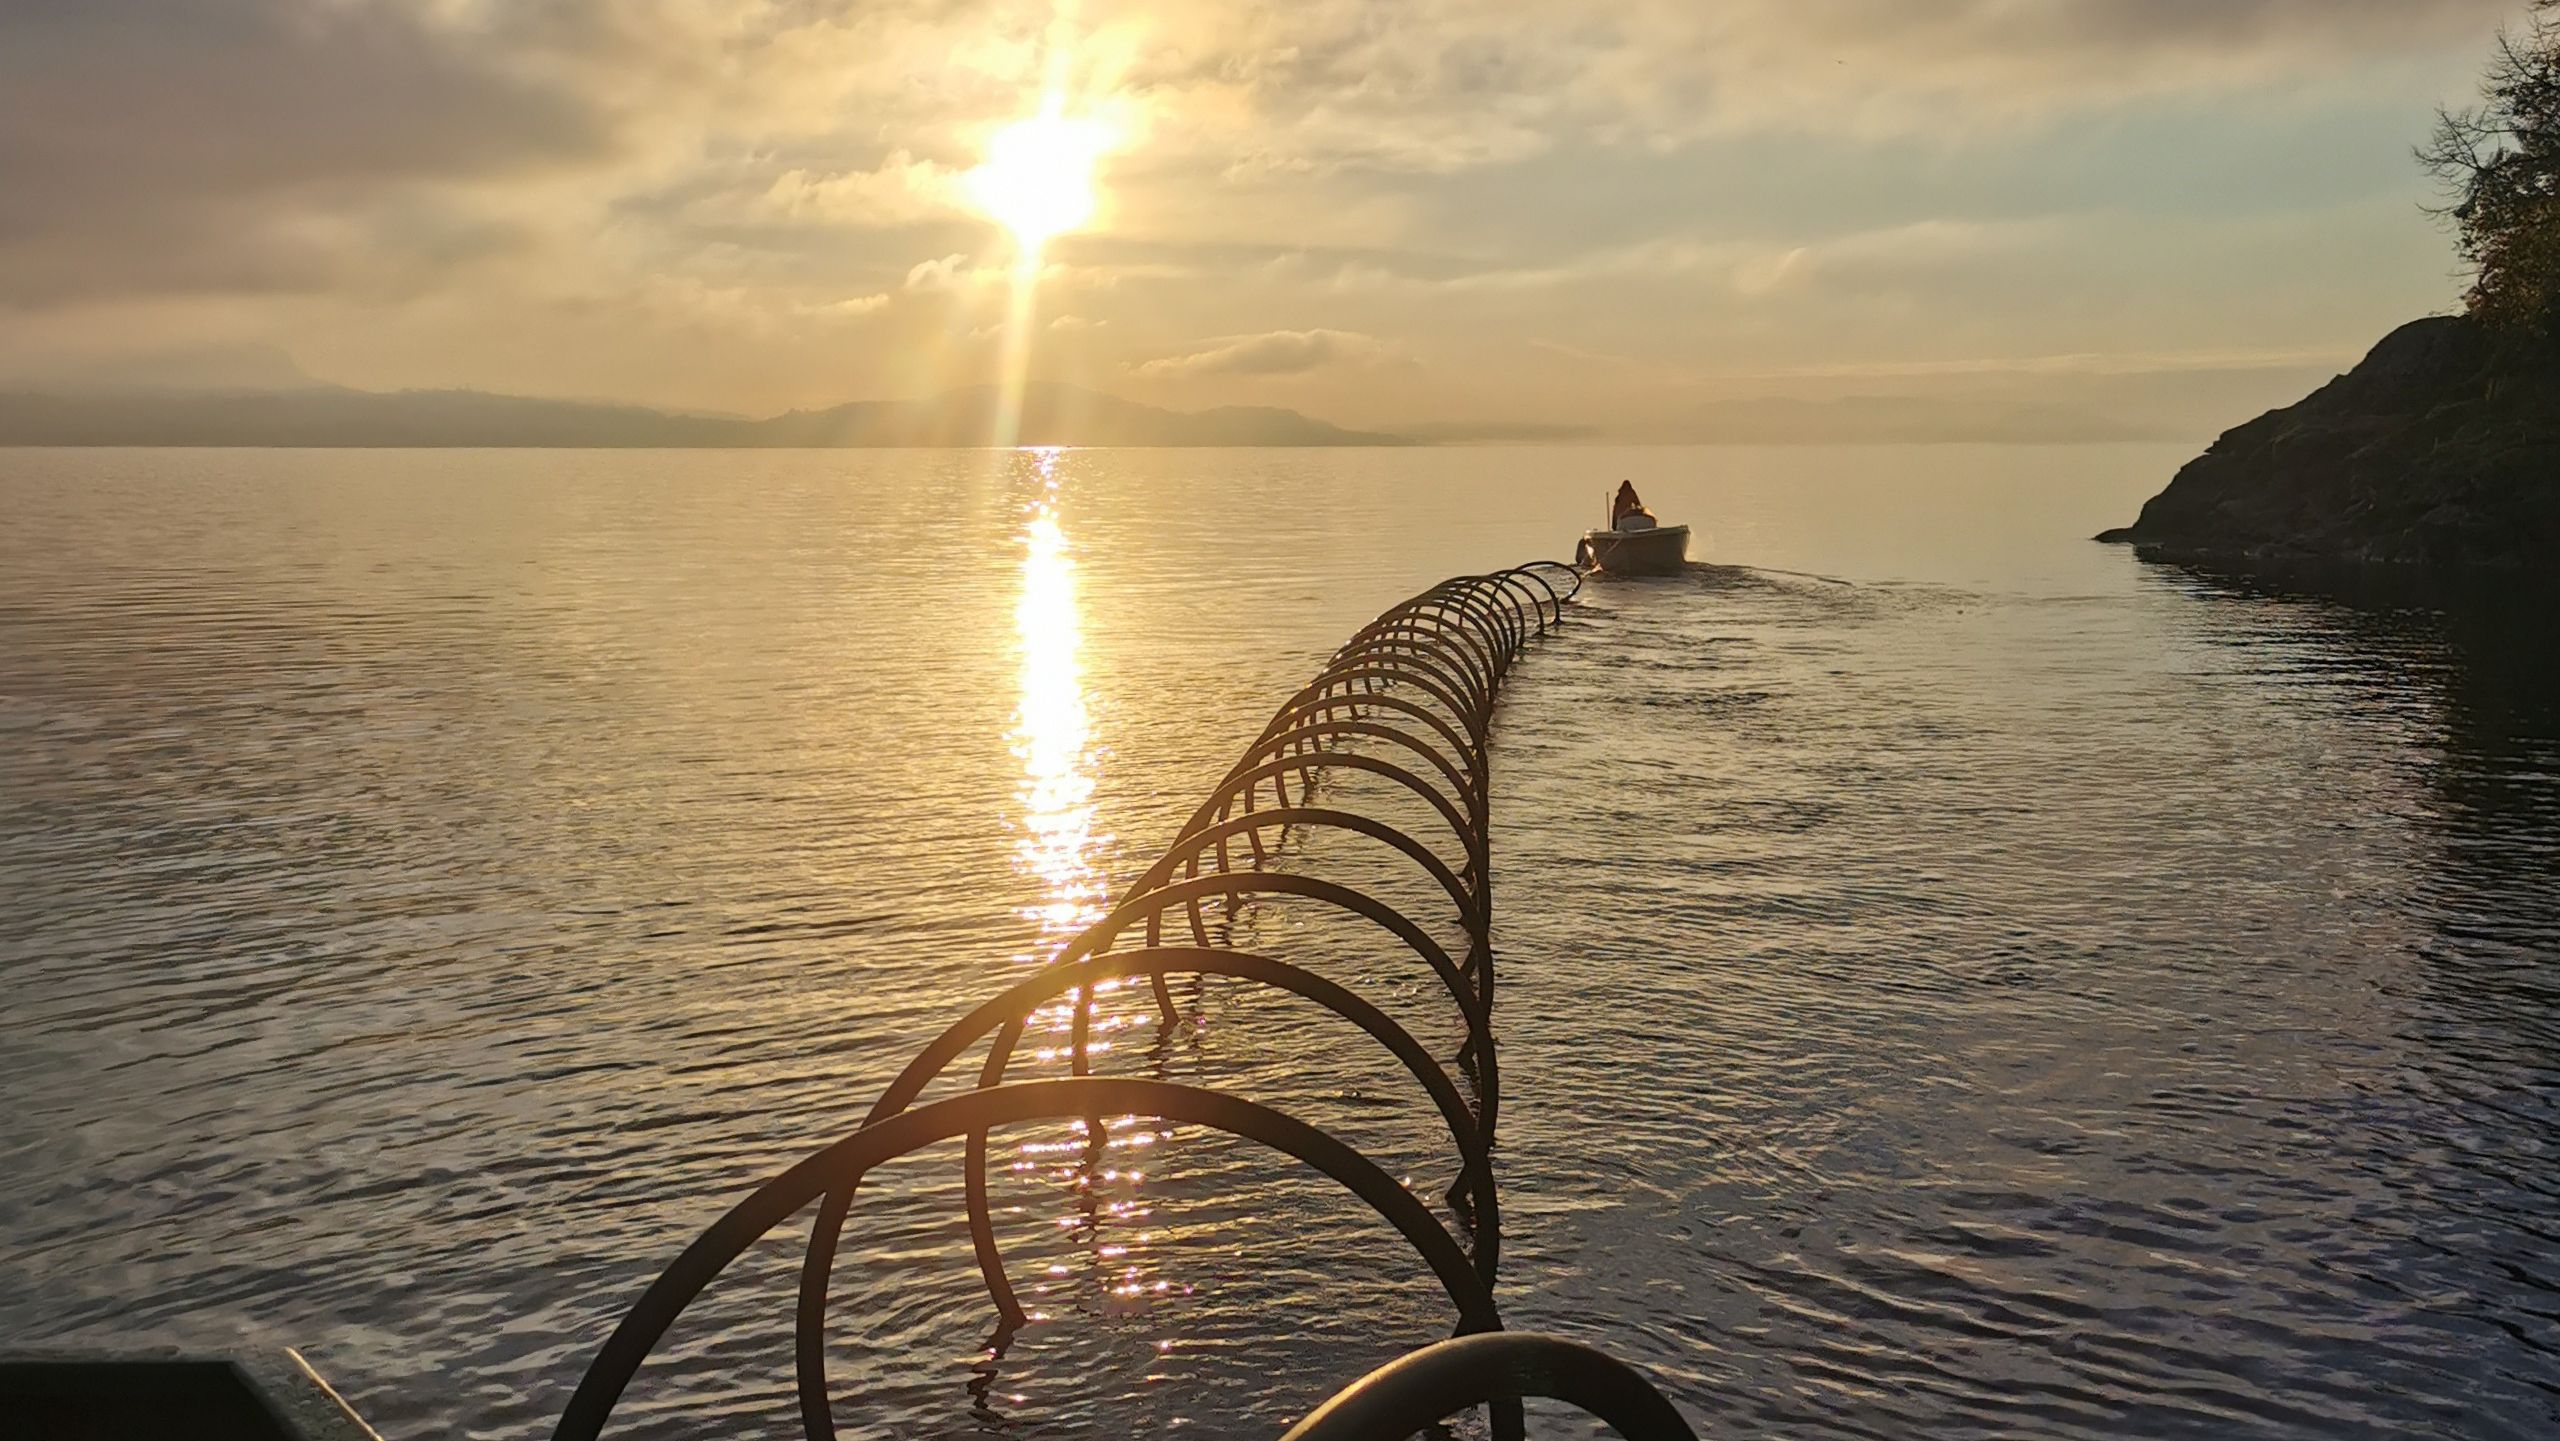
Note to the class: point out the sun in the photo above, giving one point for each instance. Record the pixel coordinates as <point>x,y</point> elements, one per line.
<point>1038,178</point>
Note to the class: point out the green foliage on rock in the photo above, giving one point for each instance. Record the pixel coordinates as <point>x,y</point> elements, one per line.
<point>2500,164</point>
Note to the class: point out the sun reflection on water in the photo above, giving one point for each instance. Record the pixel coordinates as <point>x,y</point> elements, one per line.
<point>1060,851</point>
<point>1052,729</point>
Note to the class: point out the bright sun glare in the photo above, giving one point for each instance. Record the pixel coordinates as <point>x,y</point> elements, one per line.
<point>1037,180</point>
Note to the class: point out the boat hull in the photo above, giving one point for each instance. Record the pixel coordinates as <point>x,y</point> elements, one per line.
<point>1663,550</point>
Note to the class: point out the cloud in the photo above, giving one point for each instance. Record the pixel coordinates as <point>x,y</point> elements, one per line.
<point>1442,86</point>
<point>852,307</point>
<point>566,194</point>
<point>1871,67</point>
<point>1278,352</point>
<point>961,273</point>
<point>1747,268</point>
<point>901,190</point>
<point>944,272</point>
<point>263,145</point>
<point>1788,269</point>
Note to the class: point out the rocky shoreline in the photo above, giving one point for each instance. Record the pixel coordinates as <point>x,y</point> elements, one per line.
<point>2440,449</point>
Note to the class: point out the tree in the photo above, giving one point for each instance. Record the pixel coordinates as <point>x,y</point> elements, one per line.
<point>2500,166</point>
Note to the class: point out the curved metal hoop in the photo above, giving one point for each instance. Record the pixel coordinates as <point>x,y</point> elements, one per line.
<point>1442,641</point>
<point>1378,670</point>
<point>1473,1187</point>
<point>1472,631</point>
<point>1188,848</point>
<point>1461,785</point>
<point>1475,1003</point>
<point>1436,663</point>
<point>1306,709</point>
<point>1499,626</point>
<point>1238,788</point>
<point>1412,1392</point>
<point>843,1164</point>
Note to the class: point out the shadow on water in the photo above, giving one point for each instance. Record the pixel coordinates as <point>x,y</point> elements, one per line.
<point>2485,651</point>
<point>2483,654</point>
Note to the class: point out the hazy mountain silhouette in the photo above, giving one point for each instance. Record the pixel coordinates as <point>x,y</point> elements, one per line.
<point>1051,415</point>
<point>330,416</point>
<point>1501,432</point>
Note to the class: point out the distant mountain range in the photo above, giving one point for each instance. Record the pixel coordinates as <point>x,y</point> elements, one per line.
<point>305,413</point>
<point>330,416</point>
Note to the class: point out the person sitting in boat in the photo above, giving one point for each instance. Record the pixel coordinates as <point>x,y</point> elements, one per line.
<point>1627,512</point>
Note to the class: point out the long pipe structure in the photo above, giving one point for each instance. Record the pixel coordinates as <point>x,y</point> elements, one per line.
<point>1419,682</point>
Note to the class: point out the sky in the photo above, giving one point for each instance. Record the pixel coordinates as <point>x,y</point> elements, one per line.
<point>2075,218</point>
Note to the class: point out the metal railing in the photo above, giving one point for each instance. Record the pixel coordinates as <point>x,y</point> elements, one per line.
<point>1420,681</point>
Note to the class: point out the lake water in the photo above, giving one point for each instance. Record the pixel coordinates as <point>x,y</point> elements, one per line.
<point>1982,986</point>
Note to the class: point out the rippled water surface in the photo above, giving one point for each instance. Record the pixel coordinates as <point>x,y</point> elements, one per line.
<point>1979,985</point>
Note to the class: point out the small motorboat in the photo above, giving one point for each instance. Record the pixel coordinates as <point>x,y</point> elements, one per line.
<point>1634,542</point>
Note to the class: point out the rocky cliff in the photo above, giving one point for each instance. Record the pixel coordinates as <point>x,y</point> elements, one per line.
<point>2442,448</point>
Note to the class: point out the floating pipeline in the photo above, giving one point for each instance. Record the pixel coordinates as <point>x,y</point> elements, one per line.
<point>1417,686</point>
